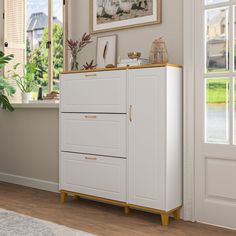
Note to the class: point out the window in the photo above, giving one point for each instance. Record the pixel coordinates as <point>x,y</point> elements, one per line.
<point>34,33</point>
<point>220,71</point>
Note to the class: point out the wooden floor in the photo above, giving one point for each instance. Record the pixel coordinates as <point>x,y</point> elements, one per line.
<point>96,218</point>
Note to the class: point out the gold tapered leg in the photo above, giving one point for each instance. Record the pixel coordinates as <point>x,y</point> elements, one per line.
<point>63,197</point>
<point>165,219</point>
<point>176,214</point>
<point>127,210</point>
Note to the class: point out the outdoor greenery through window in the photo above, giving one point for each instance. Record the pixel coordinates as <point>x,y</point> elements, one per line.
<point>220,71</point>
<point>39,46</point>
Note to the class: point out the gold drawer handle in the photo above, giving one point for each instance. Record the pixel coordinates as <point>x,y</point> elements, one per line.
<point>91,158</point>
<point>90,75</point>
<point>91,117</point>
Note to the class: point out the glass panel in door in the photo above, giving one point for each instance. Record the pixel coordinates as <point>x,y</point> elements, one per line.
<point>217,45</point>
<point>217,110</point>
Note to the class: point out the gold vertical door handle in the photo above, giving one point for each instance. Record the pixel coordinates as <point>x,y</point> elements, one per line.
<point>130,113</point>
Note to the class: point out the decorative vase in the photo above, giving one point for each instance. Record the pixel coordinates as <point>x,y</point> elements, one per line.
<point>74,65</point>
<point>158,53</point>
<point>26,97</point>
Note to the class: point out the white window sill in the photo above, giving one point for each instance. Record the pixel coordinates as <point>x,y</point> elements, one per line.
<point>37,105</point>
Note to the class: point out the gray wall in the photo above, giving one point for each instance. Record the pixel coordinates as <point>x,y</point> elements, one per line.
<point>29,137</point>
<point>135,39</point>
<point>29,143</point>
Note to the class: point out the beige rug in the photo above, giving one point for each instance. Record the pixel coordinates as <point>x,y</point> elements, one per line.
<point>14,224</point>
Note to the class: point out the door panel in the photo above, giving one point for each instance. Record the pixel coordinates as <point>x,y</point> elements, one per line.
<point>147,137</point>
<point>215,152</point>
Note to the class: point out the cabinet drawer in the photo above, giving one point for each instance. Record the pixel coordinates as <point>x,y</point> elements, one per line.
<point>101,134</point>
<point>102,92</point>
<point>93,175</point>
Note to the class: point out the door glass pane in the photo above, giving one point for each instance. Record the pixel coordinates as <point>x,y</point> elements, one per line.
<point>214,1</point>
<point>217,110</point>
<point>37,37</point>
<point>57,42</point>
<point>217,44</point>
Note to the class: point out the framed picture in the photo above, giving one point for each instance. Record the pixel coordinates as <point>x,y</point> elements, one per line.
<point>106,51</point>
<point>107,15</point>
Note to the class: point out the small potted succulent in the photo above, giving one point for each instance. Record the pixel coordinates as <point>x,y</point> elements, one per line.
<point>75,47</point>
<point>26,83</point>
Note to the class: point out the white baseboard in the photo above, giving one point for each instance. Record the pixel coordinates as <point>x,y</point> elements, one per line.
<point>30,182</point>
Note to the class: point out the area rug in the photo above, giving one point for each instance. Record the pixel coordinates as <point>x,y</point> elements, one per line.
<point>14,224</point>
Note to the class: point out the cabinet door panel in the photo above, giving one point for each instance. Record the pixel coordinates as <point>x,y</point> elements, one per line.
<point>101,134</point>
<point>99,92</point>
<point>146,155</point>
<point>93,175</point>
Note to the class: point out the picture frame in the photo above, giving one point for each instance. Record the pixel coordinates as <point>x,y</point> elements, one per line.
<point>106,51</point>
<point>108,15</point>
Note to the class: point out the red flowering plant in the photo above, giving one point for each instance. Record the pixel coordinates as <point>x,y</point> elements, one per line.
<point>75,47</point>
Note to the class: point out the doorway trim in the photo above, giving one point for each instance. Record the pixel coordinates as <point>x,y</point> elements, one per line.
<point>189,110</point>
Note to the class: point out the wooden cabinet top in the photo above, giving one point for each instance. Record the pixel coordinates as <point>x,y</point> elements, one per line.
<point>123,68</point>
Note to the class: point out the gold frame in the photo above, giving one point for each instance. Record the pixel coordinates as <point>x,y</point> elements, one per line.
<point>157,21</point>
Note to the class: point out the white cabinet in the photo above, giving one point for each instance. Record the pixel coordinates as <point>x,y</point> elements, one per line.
<point>101,134</point>
<point>94,175</point>
<point>146,149</point>
<point>94,92</point>
<point>121,138</point>
<point>155,138</point>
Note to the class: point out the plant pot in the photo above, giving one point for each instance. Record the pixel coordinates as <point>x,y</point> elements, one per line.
<point>26,97</point>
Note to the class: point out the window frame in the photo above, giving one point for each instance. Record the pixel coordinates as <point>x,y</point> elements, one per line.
<point>65,4</point>
<point>50,39</point>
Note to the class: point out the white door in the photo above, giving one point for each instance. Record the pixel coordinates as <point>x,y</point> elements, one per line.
<point>215,112</point>
<point>146,152</point>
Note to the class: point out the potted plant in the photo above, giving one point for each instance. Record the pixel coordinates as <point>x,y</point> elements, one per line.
<point>6,89</point>
<point>75,47</point>
<point>26,83</point>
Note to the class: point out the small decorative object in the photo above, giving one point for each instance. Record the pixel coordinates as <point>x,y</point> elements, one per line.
<point>106,50</point>
<point>112,15</point>
<point>75,47</point>
<point>158,53</point>
<point>52,96</point>
<point>133,62</point>
<point>134,55</point>
<point>90,66</point>
<point>110,66</point>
